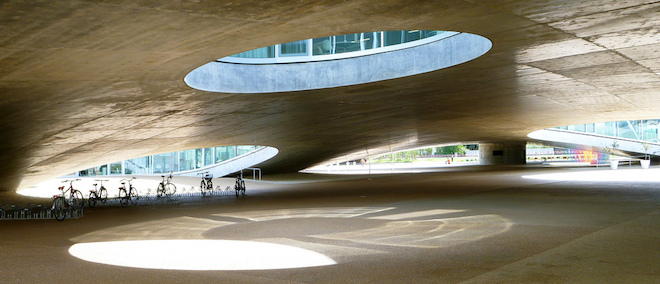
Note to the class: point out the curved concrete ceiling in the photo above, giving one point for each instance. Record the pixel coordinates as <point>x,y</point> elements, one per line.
<point>88,82</point>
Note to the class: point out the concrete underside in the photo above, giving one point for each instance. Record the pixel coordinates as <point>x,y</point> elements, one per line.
<point>491,226</point>
<point>83,83</point>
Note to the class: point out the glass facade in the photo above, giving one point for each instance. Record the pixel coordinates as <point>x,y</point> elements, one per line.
<point>264,52</point>
<point>224,153</point>
<point>645,130</point>
<point>165,163</point>
<point>138,166</point>
<point>172,162</point>
<point>338,44</point>
<point>208,156</point>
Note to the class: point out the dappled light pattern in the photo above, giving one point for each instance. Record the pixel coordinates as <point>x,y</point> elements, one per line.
<point>165,229</point>
<point>279,239</point>
<point>428,233</point>
<point>352,212</point>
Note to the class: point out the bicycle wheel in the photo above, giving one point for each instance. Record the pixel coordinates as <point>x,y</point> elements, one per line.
<point>58,208</point>
<point>123,197</point>
<point>202,187</point>
<point>160,190</point>
<point>243,187</point>
<point>134,195</point>
<point>92,199</point>
<point>170,189</point>
<point>103,194</point>
<point>78,202</point>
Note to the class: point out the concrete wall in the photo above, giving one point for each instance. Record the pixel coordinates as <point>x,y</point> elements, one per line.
<point>502,153</point>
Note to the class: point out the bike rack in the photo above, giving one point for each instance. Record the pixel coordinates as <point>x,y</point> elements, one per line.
<point>34,212</point>
<point>40,212</point>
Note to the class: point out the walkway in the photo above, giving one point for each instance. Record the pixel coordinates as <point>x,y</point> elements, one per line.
<point>479,224</point>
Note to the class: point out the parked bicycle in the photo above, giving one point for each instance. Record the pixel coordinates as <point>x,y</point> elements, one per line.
<point>207,183</point>
<point>63,205</point>
<point>100,195</point>
<point>166,188</point>
<point>239,186</point>
<point>130,195</point>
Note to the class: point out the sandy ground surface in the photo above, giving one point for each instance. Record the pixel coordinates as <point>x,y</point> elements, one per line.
<point>472,225</point>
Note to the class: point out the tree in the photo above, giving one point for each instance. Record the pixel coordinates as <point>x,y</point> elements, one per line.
<point>450,150</point>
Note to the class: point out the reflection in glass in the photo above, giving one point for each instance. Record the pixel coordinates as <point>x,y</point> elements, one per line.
<point>323,45</point>
<point>242,150</point>
<point>187,160</point>
<point>116,169</point>
<point>165,163</point>
<point>172,162</point>
<point>264,52</point>
<point>645,130</point>
<point>628,129</point>
<point>140,165</point>
<point>651,130</point>
<point>208,156</point>
<point>605,128</point>
<point>224,153</point>
<point>338,44</point>
<point>293,48</point>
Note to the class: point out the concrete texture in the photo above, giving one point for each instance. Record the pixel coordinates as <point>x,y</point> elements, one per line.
<point>84,83</point>
<point>464,225</point>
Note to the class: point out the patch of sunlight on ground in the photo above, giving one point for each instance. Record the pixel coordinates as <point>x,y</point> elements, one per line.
<point>199,255</point>
<point>633,175</point>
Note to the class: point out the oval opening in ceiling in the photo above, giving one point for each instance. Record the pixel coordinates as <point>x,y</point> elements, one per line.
<point>337,61</point>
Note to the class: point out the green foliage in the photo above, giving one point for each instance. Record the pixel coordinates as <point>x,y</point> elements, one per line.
<point>450,150</point>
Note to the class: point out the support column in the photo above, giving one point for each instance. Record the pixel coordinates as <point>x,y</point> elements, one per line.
<point>502,153</point>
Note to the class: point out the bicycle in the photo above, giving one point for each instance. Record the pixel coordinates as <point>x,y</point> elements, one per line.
<point>130,195</point>
<point>239,185</point>
<point>62,206</point>
<point>207,183</point>
<point>100,195</point>
<point>166,188</point>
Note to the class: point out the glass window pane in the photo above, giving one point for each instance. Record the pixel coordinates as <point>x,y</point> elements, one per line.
<point>651,130</point>
<point>140,165</point>
<point>199,159</point>
<point>579,127</point>
<point>426,34</point>
<point>393,37</point>
<point>322,46</point>
<point>224,153</point>
<point>370,40</point>
<point>294,48</point>
<point>628,129</point>
<point>590,127</point>
<point>241,150</point>
<point>412,35</point>
<point>164,163</point>
<point>208,156</point>
<point>605,128</point>
<point>96,171</point>
<point>187,160</point>
<point>347,43</point>
<point>116,169</point>
<point>264,52</point>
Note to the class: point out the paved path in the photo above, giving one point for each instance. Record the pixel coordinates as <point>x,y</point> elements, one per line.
<point>474,225</point>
